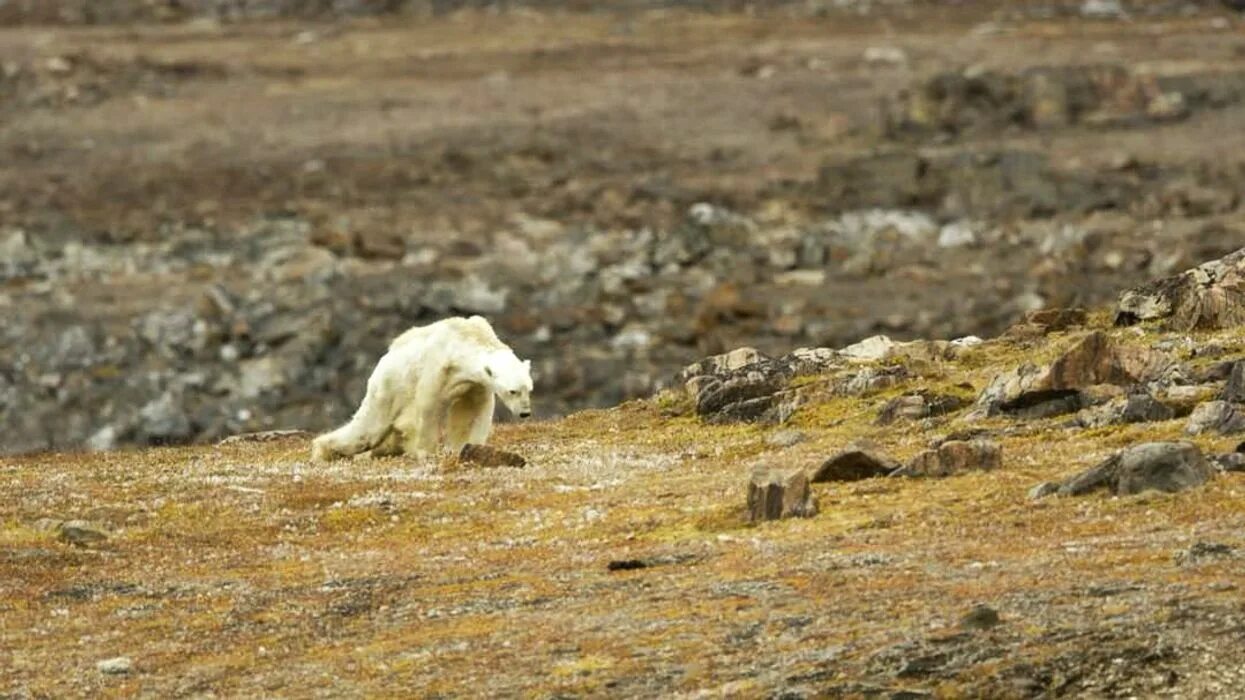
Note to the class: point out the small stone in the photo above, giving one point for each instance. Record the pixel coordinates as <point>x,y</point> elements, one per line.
<point>116,666</point>
<point>854,464</point>
<point>886,55</point>
<point>1042,490</point>
<point>80,533</point>
<point>775,493</point>
<point>1230,462</point>
<point>1134,408</point>
<point>1234,390</point>
<point>1102,9</point>
<point>918,406</point>
<point>1201,551</point>
<point>485,456</point>
<point>981,617</point>
<point>1216,416</point>
<point>265,436</point>
<point>786,438</point>
<point>955,457</point>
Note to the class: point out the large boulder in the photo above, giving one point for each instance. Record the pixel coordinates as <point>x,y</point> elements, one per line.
<point>854,463</point>
<point>1161,466</point>
<point>778,492</point>
<point>1210,296</point>
<point>1095,359</point>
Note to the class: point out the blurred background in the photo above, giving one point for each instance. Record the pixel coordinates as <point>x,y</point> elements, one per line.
<point>215,214</point>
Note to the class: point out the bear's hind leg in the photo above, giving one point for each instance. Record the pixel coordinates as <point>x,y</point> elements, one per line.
<point>369,426</point>
<point>389,446</point>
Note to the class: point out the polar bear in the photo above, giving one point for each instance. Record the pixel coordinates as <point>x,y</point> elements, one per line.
<point>434,389</point>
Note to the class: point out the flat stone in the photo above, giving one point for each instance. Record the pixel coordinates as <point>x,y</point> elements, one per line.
<point>119,665</point>
<point>485,456</point>
<point>265,436</point>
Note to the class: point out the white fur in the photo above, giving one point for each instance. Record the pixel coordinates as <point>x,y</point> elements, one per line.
<point>434,389</point>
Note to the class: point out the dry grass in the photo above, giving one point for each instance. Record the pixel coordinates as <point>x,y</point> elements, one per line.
<point>246,570</point>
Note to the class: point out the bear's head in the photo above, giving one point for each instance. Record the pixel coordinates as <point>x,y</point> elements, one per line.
<point>511,379</point>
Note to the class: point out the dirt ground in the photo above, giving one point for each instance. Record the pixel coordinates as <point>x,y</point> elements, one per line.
<point>619,563</point>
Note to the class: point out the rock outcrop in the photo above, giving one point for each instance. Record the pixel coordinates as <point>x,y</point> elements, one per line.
<point>1159,466</point>
<point>1210,296</point>
<point>1061,387</point>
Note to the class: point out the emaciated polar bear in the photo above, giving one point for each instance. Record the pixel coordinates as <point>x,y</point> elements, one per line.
<point>433,389</point>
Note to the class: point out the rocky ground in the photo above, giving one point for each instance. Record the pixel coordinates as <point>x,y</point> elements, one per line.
<point>214,224</point>
<point>1056,512</point>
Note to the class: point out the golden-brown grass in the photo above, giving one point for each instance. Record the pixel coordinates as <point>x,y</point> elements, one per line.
<point>247,570</point>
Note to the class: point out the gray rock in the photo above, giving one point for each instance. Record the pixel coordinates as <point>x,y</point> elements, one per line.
<point>164,420</point>
<point>786,438</point>
<point>1216,416</point>
<point>1202,551</point>
<point>1230,462</point>
<point>1134,408</point>
<point>1234,389</point>
<point>955,457</point>
<point>468,295</point>
<point>80,533</point>
<point>981,617</point>
<point>721,364</point>
<point>265,436</point>
<point>918,406</point>
<point>777,492</point>
<point>116,666</point>
<point>1161,466</point>
<point>1032,391</point>
<point>1209,296</point>
<point>1102,9</point>
<point>871,349</point>
<point>1042,490</point>
<point>103,439</point>
<point>854,464</point>
<point>17,255</point>
<point>745,395</point>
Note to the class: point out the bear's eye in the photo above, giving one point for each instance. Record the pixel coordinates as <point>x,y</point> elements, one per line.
<point>514,392</point>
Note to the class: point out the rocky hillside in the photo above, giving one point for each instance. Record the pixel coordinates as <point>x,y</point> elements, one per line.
<point>620,194</point>
<point>1055,512</point>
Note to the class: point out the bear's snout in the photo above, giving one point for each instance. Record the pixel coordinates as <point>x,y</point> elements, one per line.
<point>525,414</point>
